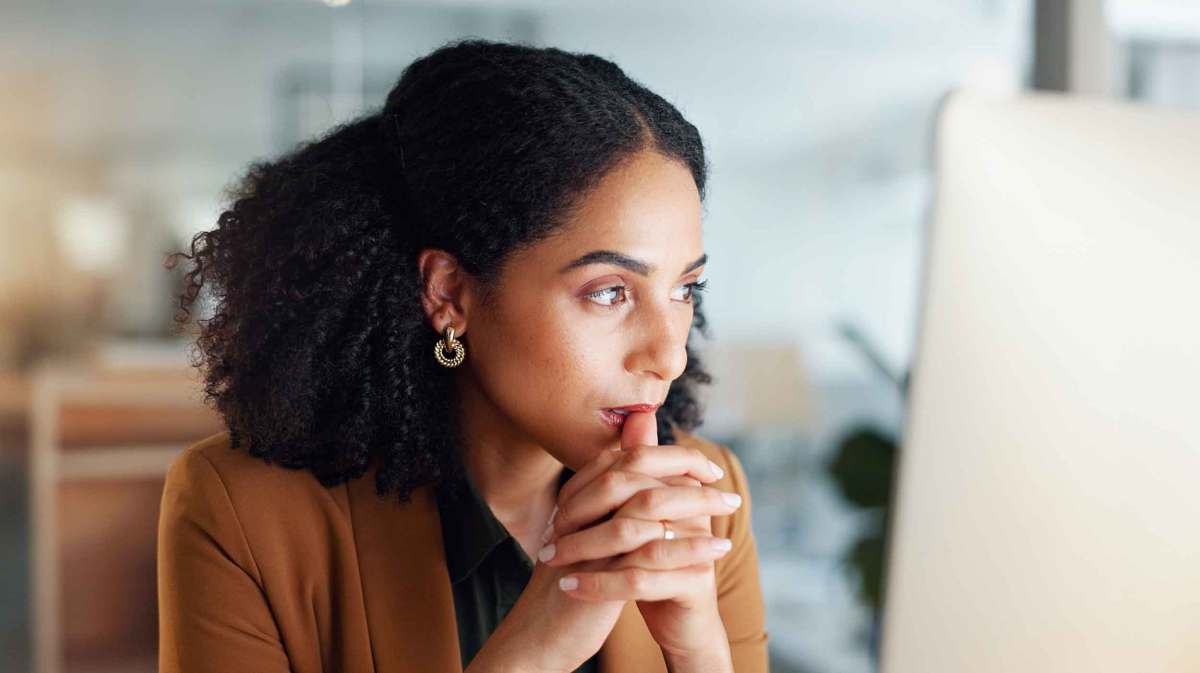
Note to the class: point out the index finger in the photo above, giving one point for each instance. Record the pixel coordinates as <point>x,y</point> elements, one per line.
<point>669,460</point>
<point>661,462</point>
<point>642,453</point>
<point>674,460</point>
<point>585,475</point>
<point>640,428</point>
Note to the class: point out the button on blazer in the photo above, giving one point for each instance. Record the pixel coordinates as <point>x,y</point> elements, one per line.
<point>263,569</point>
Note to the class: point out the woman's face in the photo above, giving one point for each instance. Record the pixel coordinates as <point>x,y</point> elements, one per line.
<point>595,317</point>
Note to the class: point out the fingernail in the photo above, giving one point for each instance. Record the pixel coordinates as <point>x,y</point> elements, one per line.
<point>546,534</point>
<point>568,583</point>
<point>716,469</point>
<point>546,553</point>
<point>552,513</point>
<point>732,499</point>
<point>722,544</point>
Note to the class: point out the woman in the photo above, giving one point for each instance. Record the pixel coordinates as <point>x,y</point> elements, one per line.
<point>451,347</point>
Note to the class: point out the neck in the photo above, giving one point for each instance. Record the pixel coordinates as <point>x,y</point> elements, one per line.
<point>516,477</point>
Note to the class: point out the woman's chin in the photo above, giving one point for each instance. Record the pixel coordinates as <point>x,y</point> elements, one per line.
<point>577,455</point>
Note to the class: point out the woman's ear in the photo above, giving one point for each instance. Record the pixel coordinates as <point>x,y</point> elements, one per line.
<point>444,290</point>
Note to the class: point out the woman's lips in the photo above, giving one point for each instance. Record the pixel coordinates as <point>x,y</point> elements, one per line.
<point>630,408</point>
<point>612,418</point>
<point>617,420</point>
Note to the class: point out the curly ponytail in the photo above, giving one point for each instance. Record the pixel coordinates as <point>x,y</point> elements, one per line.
<point>317,352</point>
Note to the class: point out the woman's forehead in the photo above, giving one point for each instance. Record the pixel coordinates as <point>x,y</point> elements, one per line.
<point>647,209</point>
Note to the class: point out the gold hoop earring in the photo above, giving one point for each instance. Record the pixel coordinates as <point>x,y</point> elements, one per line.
<point>451,344</point>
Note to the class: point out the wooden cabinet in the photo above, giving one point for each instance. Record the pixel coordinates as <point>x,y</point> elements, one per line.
<point>101,438</point>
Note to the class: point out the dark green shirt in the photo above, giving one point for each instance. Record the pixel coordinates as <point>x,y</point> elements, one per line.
<point>488,568</point>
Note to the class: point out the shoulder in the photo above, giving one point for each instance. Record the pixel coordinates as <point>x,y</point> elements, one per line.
<point>207,463</point>
<point>213,463</point>
<point>244,496</point>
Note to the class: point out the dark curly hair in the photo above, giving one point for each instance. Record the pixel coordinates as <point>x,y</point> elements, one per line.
<point>318,351</point>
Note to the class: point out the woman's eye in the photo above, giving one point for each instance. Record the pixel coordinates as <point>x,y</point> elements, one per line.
<point>614,296</point>
<point>600,296</point>
<point>690,290</point>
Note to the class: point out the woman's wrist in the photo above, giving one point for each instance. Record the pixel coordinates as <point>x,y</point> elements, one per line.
<point>500,654</point>
<point>717,659</point>
<point>498,662</point>
<point>713,657</point>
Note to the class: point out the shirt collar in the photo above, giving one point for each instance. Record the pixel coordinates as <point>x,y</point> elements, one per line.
<point>470,531</point>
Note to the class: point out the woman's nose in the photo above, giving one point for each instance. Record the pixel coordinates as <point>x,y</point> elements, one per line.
<point>660,346</point>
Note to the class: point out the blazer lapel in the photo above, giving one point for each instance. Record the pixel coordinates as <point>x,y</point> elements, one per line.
<point>406,587</point>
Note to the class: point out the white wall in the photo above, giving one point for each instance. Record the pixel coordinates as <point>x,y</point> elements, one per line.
<point>816,116</point>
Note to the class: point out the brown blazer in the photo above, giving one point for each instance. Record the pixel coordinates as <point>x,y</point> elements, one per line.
<point>262,569</point>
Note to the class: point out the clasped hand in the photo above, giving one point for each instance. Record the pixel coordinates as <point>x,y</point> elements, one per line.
<point>610,522</point>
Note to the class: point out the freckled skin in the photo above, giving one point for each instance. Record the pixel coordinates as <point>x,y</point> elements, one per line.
<point>544,359</point>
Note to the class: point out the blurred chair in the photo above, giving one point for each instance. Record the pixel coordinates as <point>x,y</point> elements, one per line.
<point>102,437</point>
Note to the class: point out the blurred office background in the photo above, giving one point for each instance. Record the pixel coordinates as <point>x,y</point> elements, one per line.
<point>121,122</point>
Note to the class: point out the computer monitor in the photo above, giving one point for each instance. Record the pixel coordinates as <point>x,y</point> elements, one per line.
<point>1047,510</point>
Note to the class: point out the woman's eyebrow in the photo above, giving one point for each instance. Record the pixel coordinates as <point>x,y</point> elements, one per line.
<point>635,265</point>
